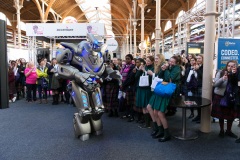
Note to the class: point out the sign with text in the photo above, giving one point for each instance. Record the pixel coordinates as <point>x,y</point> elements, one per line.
<point>195,48</point>
<point>228,49</point>
<point>112,44</point>
<point>64,29</point>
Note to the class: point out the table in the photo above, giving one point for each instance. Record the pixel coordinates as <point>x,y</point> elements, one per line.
<point>186,103</point>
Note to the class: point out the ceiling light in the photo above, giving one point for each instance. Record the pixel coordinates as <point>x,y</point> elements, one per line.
<point>148,10</point>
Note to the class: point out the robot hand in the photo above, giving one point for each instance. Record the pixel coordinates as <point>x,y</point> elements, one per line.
<point>115,74</point>
<point>86,78</point>
<point>108,78</point>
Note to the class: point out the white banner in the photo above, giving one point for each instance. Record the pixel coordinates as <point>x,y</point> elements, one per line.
<point>112,44</point>
<point>61,29</point>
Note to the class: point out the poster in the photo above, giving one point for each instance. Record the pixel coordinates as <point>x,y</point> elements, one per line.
<point>228,49</point>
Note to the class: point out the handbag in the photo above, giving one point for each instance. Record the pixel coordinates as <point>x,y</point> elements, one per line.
<point>144,81</point>
<point>165,89</point>
<point>155,81</point>
<point>44,83</point>
<point>229,97</point>
<point>223,101</point>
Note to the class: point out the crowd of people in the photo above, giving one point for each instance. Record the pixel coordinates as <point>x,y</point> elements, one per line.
<point>129,100</point>
<point>141,104</point>
<point>26,79</point>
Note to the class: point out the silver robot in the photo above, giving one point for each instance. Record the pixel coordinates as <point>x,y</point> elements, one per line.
<point>84,64</point>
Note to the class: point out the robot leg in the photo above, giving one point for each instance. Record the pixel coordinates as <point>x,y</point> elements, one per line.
<point>98,110</point>
<point>82,127</point>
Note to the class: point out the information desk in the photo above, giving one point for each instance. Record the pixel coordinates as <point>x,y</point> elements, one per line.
<point>187,103</point>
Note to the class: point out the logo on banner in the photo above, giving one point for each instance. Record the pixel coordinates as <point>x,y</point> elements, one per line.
<point>65,29</point>
<point>228,43</point>
<point>38,30</point>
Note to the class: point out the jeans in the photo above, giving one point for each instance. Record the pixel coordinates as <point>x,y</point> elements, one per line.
<point>41,91</point>
<point>31,92</point>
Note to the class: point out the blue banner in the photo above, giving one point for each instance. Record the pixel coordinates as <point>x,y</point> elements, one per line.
<point>228,49</point>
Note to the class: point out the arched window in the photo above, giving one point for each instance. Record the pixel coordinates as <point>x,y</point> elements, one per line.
<point>3,17</point>
<point>179,15</point>
<point>168,25</point>
<point>199,4</point>
<point>23,26</point>
<point>153,36</point>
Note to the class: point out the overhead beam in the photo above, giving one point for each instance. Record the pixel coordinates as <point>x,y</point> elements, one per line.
<point>39,9</point>
<point>128,6</point>
<point>48,9</point>
<point>69,10</point>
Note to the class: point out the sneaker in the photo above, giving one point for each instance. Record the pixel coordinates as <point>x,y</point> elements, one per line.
<point>231,134</point>
<point>14,99</point>
<point>10,101</point>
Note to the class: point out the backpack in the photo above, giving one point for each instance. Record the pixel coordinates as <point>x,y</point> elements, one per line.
<point>193,83</point>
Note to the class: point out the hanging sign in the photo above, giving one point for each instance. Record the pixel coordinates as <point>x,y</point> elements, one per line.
<point>112,44</point>
<point>228,49</point>
<point>64,29</point>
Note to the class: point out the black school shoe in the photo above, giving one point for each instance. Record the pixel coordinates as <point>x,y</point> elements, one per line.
<point>231,134</point>
<point>238,140</point>
<point>164,139</point>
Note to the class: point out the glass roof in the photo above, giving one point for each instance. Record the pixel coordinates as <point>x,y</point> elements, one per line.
<point>97,11</point>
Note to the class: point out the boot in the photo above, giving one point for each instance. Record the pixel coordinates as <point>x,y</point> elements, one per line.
<point>57,98</point>
<point>166,136</point>
<point>54,100</point>
<point>155,129</point>
<point>18,94</point>
<point>115,112</point>
<point>147,121</point>
<point>160,132</point>
<point>139,117</point>
<point>110,113</point>
<point>67,97</point>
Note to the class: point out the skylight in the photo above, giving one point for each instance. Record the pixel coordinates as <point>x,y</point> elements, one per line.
<point>97,11</point>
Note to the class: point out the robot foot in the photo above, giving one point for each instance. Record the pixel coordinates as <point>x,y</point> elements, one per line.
<point>84,137</point>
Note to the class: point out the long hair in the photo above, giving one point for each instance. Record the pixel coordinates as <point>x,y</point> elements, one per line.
<point>225,68</point>
<point>161,60</point>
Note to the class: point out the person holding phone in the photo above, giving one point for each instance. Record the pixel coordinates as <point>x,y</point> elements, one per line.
<point>225,77</point>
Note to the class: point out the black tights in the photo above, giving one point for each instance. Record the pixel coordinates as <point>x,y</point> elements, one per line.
<point>229,124</point>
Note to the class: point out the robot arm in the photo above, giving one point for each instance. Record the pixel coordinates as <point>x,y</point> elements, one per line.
<point>71,73</point>
<point>113,74</point>
<point>67,71</point>
<point>64,56</point>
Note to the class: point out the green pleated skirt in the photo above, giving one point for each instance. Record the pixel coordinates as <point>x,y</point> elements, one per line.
<point>159,103</point>
<point>143,96</point>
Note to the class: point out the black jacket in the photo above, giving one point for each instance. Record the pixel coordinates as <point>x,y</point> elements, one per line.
<point>129,82</point>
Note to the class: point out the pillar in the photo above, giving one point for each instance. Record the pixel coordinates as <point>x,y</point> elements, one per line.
<point>18,7</point>
<point>209,40</point>
<point>157,30</point>
<point>143,5</point>
<point>134,28</point>
<point>130,36</point>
